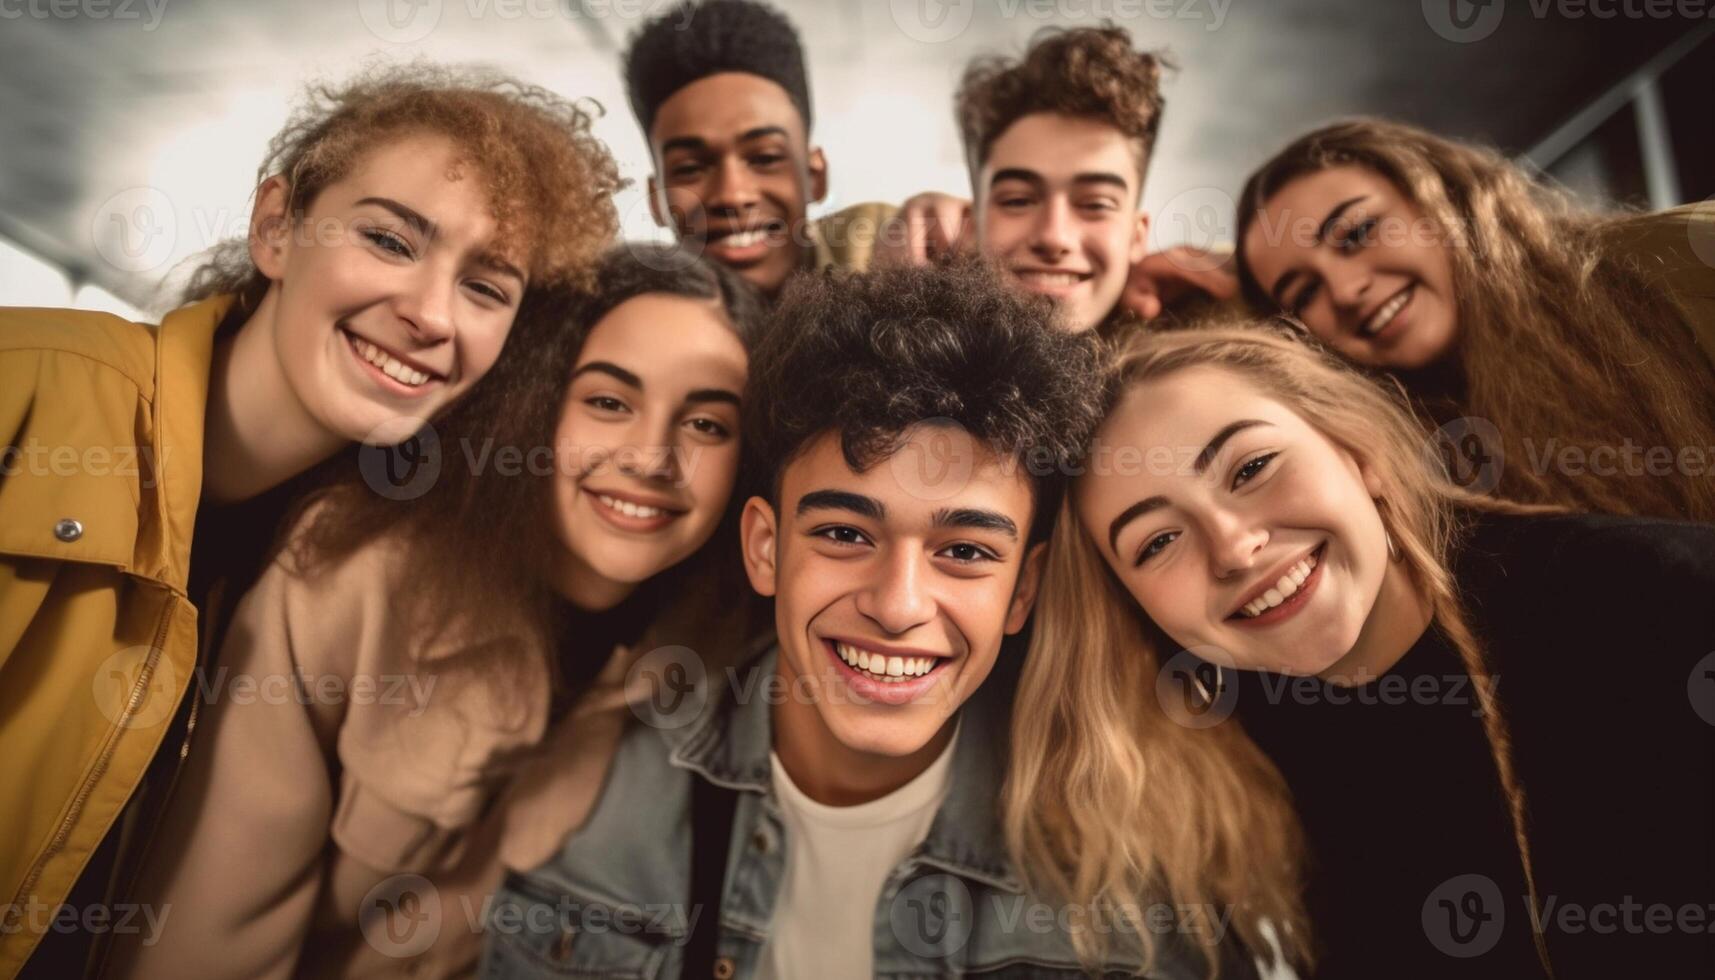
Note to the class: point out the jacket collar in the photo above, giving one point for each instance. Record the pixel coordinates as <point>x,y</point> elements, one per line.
<point>730,746</point>
<point>184,347</point>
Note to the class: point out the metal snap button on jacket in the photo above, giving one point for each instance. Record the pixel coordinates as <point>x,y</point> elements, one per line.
<point>68,530</point>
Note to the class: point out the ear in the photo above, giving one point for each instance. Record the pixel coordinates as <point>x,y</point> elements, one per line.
<point>1140,238</point>
<point>757,534</point>
<point>657,202</point>
<point>270,228</point>
<point>1024,593</point>
<point>818,171</point>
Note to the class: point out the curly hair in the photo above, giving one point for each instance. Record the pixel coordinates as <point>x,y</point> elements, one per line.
<point>871,355</point>
<point>699,38</point>
<point>1087,72</point>
<point>549,181</point>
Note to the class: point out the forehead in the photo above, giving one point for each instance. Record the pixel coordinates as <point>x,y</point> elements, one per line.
<point>936,468</point>
<point>721,108</point>
<point>1182,410</point>
<point>1059,147</point>
<point>663,335</point>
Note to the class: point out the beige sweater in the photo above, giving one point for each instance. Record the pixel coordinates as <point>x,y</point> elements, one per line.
<point>359,823</point>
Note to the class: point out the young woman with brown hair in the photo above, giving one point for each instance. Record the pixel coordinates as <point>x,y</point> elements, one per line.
<point>1586,340</point>
<point>398,222</point>
<point>1478,708</point>
<point>461,648</point>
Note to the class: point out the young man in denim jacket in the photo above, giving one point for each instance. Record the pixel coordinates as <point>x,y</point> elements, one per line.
<point>914,428</point>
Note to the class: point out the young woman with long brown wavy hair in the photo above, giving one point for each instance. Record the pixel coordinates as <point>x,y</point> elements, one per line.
<point>1586,339</point>
<point>1404,663</point>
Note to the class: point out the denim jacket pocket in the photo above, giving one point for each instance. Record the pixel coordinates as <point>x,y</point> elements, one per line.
<point>533,931</point>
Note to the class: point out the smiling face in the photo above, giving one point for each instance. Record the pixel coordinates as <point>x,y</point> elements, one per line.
<point>889,606</point>
<point>648,443</point>
<point>1344,251</point>
<point>391,297</point>
<point>734,174</point>
<point>1243,527</point>
<point>1057,209</point>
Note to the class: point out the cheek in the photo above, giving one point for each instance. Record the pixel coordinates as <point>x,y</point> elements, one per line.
<point>480,340</point>
<point>710,475</point>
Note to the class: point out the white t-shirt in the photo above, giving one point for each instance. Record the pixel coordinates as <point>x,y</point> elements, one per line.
<point>837,859</point>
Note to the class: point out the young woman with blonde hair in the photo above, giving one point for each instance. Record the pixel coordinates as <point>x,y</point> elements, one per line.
<point>1478,709</point>
<point>1586,340</point>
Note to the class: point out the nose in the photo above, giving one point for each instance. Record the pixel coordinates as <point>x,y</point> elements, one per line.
<point>1234,542</point>
<point>734,189</point>
<point>650,454</point>
<point>427,308</point>
<point>896,597</point>
<point>1348,284</point>
<point>1053,237</point>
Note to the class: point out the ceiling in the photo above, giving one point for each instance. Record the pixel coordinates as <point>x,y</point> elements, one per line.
<point>130,130</point>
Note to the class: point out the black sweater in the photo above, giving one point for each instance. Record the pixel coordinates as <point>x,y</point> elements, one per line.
<point>1596,631</point>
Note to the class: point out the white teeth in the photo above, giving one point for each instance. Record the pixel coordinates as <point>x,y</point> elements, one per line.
<point>743,239</point>
<point>884,668</point>
<point>1287,585</point>
<point>629,509</point>
<point>1051,278</point>
<point>389,365</point>
<point>1386,314</point>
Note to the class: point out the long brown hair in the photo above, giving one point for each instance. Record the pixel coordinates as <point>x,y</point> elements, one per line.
<point>1560,331</point>
<point>1110,800</point>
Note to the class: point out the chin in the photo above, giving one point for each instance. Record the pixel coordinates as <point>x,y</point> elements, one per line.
<point>889,736</point>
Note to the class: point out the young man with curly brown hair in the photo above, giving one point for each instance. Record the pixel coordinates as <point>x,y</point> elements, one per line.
<point>1058,143</point>
<point>830,809</point>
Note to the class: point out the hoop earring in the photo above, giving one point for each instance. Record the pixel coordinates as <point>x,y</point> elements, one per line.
<point>1392,549</point>
<point>1220,685</point>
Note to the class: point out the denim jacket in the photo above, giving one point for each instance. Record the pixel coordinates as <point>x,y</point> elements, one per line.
<point>613,902</point>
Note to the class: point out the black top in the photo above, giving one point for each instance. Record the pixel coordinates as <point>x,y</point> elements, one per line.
<point>1600,634</point>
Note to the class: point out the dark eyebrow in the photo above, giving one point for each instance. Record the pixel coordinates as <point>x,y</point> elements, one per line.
<point>1102,177</point>
<point>857,503</point>
<point>612,370</point>
<point>1130,514</point>
<point>1016,173</point>
<point>703,395</point>
<point>423,225</point>
<point>1229,430</point>
<point>761,131</point>
<point>1322,232</point>
<point>976,519</point>
<point>695,144</point>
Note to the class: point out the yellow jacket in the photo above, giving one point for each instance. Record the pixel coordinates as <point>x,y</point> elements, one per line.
<point>101,427</point>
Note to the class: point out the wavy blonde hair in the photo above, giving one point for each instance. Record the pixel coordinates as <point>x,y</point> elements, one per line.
<point>1109,800</point>
<point>1562,330</point>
